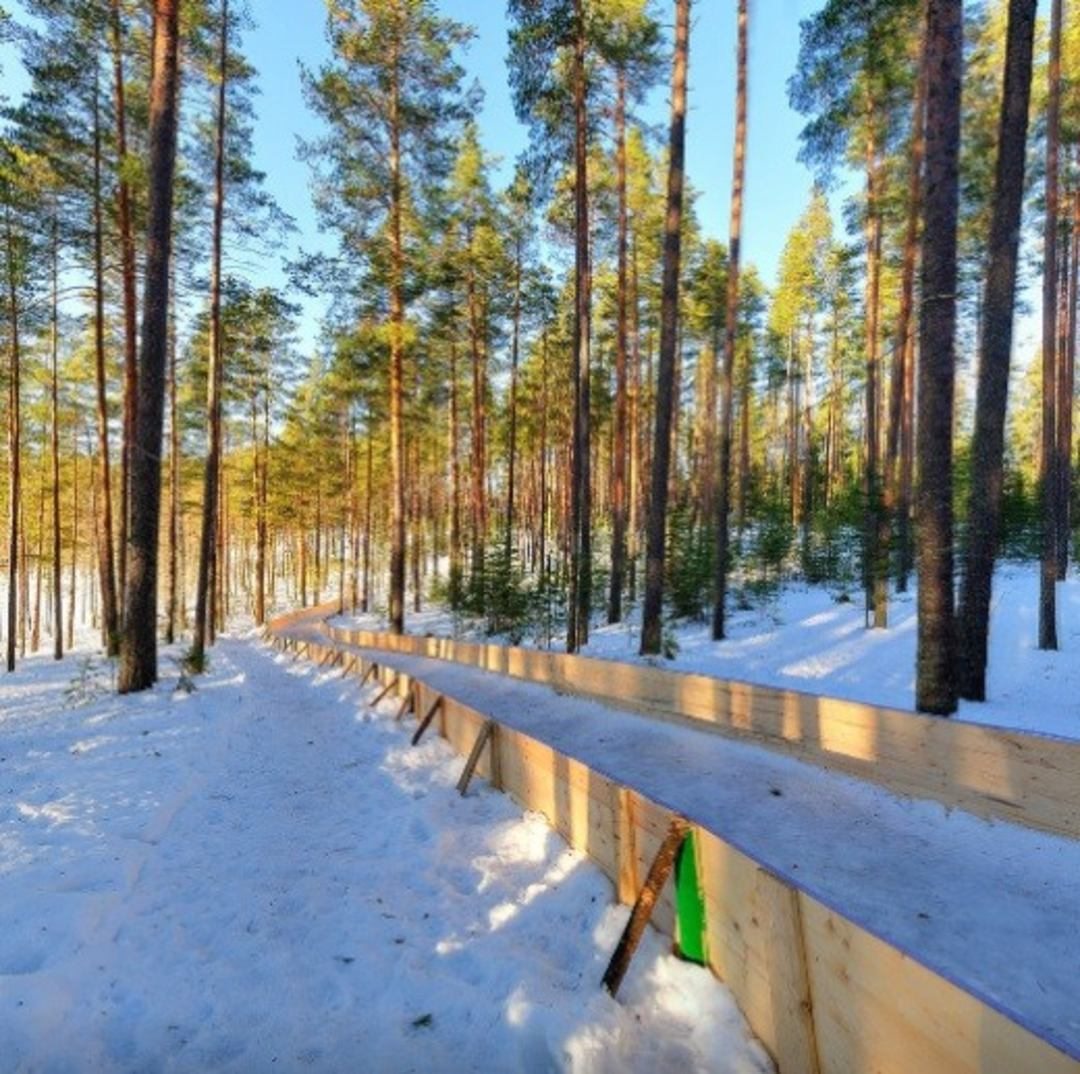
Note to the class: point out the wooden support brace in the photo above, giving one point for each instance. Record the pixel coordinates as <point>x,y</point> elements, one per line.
<point>408,702</point>
<point>659,872</point>
<point>384,691</point>
<point>348,664</point>
<point>486,732</point>
<point>371,669</point>
<point>428,717</point>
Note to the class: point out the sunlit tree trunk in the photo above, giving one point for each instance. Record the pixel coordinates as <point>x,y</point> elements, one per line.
<point>127,251</point>
<point>727,387</point>
<point>619,460</point>
<point>988,444</point>
<point>106,562</point>
<point>138,664</point>
<point>1048,458</point>
<point>652,613</point>
<point>14,436</point>
<point>209,567</point>
<point>935,684</point>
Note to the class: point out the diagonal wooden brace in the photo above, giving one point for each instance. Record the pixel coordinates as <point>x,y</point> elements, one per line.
<point>384,691</point>
<point>659,872</point>
<point>408,702</point>
<point>486,732</point>
<point>428,717</point>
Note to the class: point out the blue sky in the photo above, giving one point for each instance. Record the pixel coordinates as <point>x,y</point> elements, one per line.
<point>777,185</point>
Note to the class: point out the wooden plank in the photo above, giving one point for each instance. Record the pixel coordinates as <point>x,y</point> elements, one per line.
<point>823,996</point>
<point>428,716</point>
<point>659,872</point>
<point>991,772</point>
<point>385,690</point>
<point>407,702</point>
<point>486,733</point>
<point>876,1009</point>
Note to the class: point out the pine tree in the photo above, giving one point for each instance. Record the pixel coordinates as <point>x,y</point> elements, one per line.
<point>138,663</point>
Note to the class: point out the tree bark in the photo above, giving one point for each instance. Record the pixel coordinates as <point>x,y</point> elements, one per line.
<point>138,664</point>
<point>106,561</point>
<point>208,567</point>
<point>727,388</point>
<point>54,395</point>
<point>577,633</point>
<point>896,516</point>
<point>397,371</point>
<point>935,687</point>
<point>875,565</point>
<point>14,439</point>
<point>652,614</point>
<point>174,476</point>
<point>127,249</point>
<point>618,475</point>
<point>996,335</point>
<point>1048,458</point>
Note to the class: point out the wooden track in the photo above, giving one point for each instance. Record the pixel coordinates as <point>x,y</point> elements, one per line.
<point>1023,778</point>
<point>822,993</point>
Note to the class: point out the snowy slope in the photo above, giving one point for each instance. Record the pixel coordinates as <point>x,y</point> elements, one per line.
<point>262,876</point>
<point>804,640</point>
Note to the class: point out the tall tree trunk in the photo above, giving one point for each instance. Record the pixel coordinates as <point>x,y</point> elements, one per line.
<point>618,476</point>
<point>652,614</point>
<point>127,250</point>
<point>1064,408</point>
<point>39,552</point>
<point>875,564</point>
<point>897,511</point>
<point>174,593</point>
<point>54,395</point>
<point>138,664</point>
<point>208,565</point>
<point>1048,460</point>
<point>543,525</point>
<point>988,444</point>
<point>577,633</point>
<point>636,431</point>
<point>397,370</point>
<point>731,325</point>
<point>14,438</point>
<point>106,561</point>
<point>74,576</point>
<point>365,604</point>
<point>935,686</point>
<point>479,434</point>
<point>511,461</point>
<point>262,479</point>
<point>455,484</point>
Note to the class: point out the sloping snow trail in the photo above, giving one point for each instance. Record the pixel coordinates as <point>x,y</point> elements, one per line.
<point>264,876</point>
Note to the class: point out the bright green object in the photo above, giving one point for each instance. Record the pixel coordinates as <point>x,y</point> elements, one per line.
<point>689,904</point>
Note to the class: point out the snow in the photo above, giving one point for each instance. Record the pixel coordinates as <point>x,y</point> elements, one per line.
<point>262,875</point>
<point>804,639</point>
<point>989,905</point>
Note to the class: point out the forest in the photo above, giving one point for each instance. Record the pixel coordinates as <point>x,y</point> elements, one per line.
<point>544,402</point>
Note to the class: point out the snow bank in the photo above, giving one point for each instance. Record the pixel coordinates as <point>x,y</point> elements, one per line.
<point>263,876</point>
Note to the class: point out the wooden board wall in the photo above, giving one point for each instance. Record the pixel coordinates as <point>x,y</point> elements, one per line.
<point>822,995</point>
<point>1028,779</point>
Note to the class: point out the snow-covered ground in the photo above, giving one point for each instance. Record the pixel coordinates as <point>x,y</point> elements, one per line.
<point>803,639</point>
<point>262,875</point>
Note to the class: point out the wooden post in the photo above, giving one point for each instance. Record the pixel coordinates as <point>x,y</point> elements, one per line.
<point>428,717</point>
<point>486,732</point>
<point>384,691</point>
<point>408,702</point>
<point>659,871</point>
<point>371,669</point>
